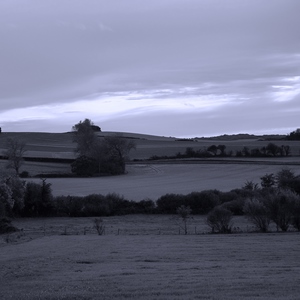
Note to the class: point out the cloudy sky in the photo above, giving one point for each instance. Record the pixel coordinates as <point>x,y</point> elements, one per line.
<point>166,67</point>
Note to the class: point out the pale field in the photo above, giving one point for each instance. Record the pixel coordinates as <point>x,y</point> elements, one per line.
<point>145,181</point>
<point>149,265</point>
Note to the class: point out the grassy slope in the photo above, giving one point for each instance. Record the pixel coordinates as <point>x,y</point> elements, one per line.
<point>248,266</point>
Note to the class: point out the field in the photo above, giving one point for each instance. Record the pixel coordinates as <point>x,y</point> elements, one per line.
<point>151,180</point>
<point>144,262</point>
<point>147,256</point>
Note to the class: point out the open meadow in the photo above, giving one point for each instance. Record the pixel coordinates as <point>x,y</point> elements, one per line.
<point>151,266</point>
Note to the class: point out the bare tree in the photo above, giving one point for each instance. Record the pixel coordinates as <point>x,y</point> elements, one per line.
<point>15,152</point>
<point>117,148</point>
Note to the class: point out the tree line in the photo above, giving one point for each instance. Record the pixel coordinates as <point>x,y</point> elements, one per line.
<point>276,199</point>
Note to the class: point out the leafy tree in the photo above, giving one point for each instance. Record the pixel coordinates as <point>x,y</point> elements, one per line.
<point>84,136</point>
<point>296,214</point>
<point>250,185</point>
<point>222,149</point>
<point>84,166</point>
<point>257,213</point>
<point>6,200</point>
<point>246,151</point>
<point>17,188</point>
<point>213,149</point>
<point>268,180</point>
<point>220,220</point>
<point>15,152</point>
<point>272,149</point>
<point>38,199</point>
<point>280,206</point>
<point>284,178</point>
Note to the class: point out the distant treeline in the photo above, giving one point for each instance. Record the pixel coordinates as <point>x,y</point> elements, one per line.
<point>270,150</point>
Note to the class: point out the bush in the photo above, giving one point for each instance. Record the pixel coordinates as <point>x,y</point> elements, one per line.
<point>6,226</point>
<point>219,220</point>
<point>257,213</point>
<point>280,207</point>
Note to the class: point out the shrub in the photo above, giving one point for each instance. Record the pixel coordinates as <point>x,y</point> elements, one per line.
<point>257,213</point>
<point>99,226</point>
<point>280,206</point>
<point>6,226</point>
<point>268,180</point>
<point>219,220</point>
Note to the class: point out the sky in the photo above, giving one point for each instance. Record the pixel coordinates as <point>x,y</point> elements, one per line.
<point>184,68</point>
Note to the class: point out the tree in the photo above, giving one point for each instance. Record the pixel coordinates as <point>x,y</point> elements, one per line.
<point>294,135</point>
<point>257,213</point>
<point>38,199</point>
<point>184,212</point>
<point>213,149</point>
<point>268,180</point>
<point>286,149</point>
<point>272,149</point>
<point>15,152</point>
<point>84,166</point>
<point>84,136</point>
<point>117,148</point>
<point>222,149</point>
<point>219,220</point>
<point>284,178</point>
<point>280,207</point>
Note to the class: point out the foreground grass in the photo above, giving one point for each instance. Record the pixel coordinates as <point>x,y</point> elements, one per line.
<point>241,266</point>
<point>144,257</point>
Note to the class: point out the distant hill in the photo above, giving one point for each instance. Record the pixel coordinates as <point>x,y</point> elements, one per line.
<point>245,136</point>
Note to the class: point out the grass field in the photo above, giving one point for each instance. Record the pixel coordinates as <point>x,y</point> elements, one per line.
<point>152,181</point>
<point>151,266</point>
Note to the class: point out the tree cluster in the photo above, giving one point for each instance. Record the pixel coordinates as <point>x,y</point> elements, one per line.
<point>97,155</point>
<point>294,135</point>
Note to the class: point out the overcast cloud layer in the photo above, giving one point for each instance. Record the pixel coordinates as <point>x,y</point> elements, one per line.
<point>165,67</point>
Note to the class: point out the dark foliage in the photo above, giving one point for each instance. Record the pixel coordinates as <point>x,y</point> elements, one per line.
<point>219,220</point>
<point>6,226</point>
<point>84,166</point>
